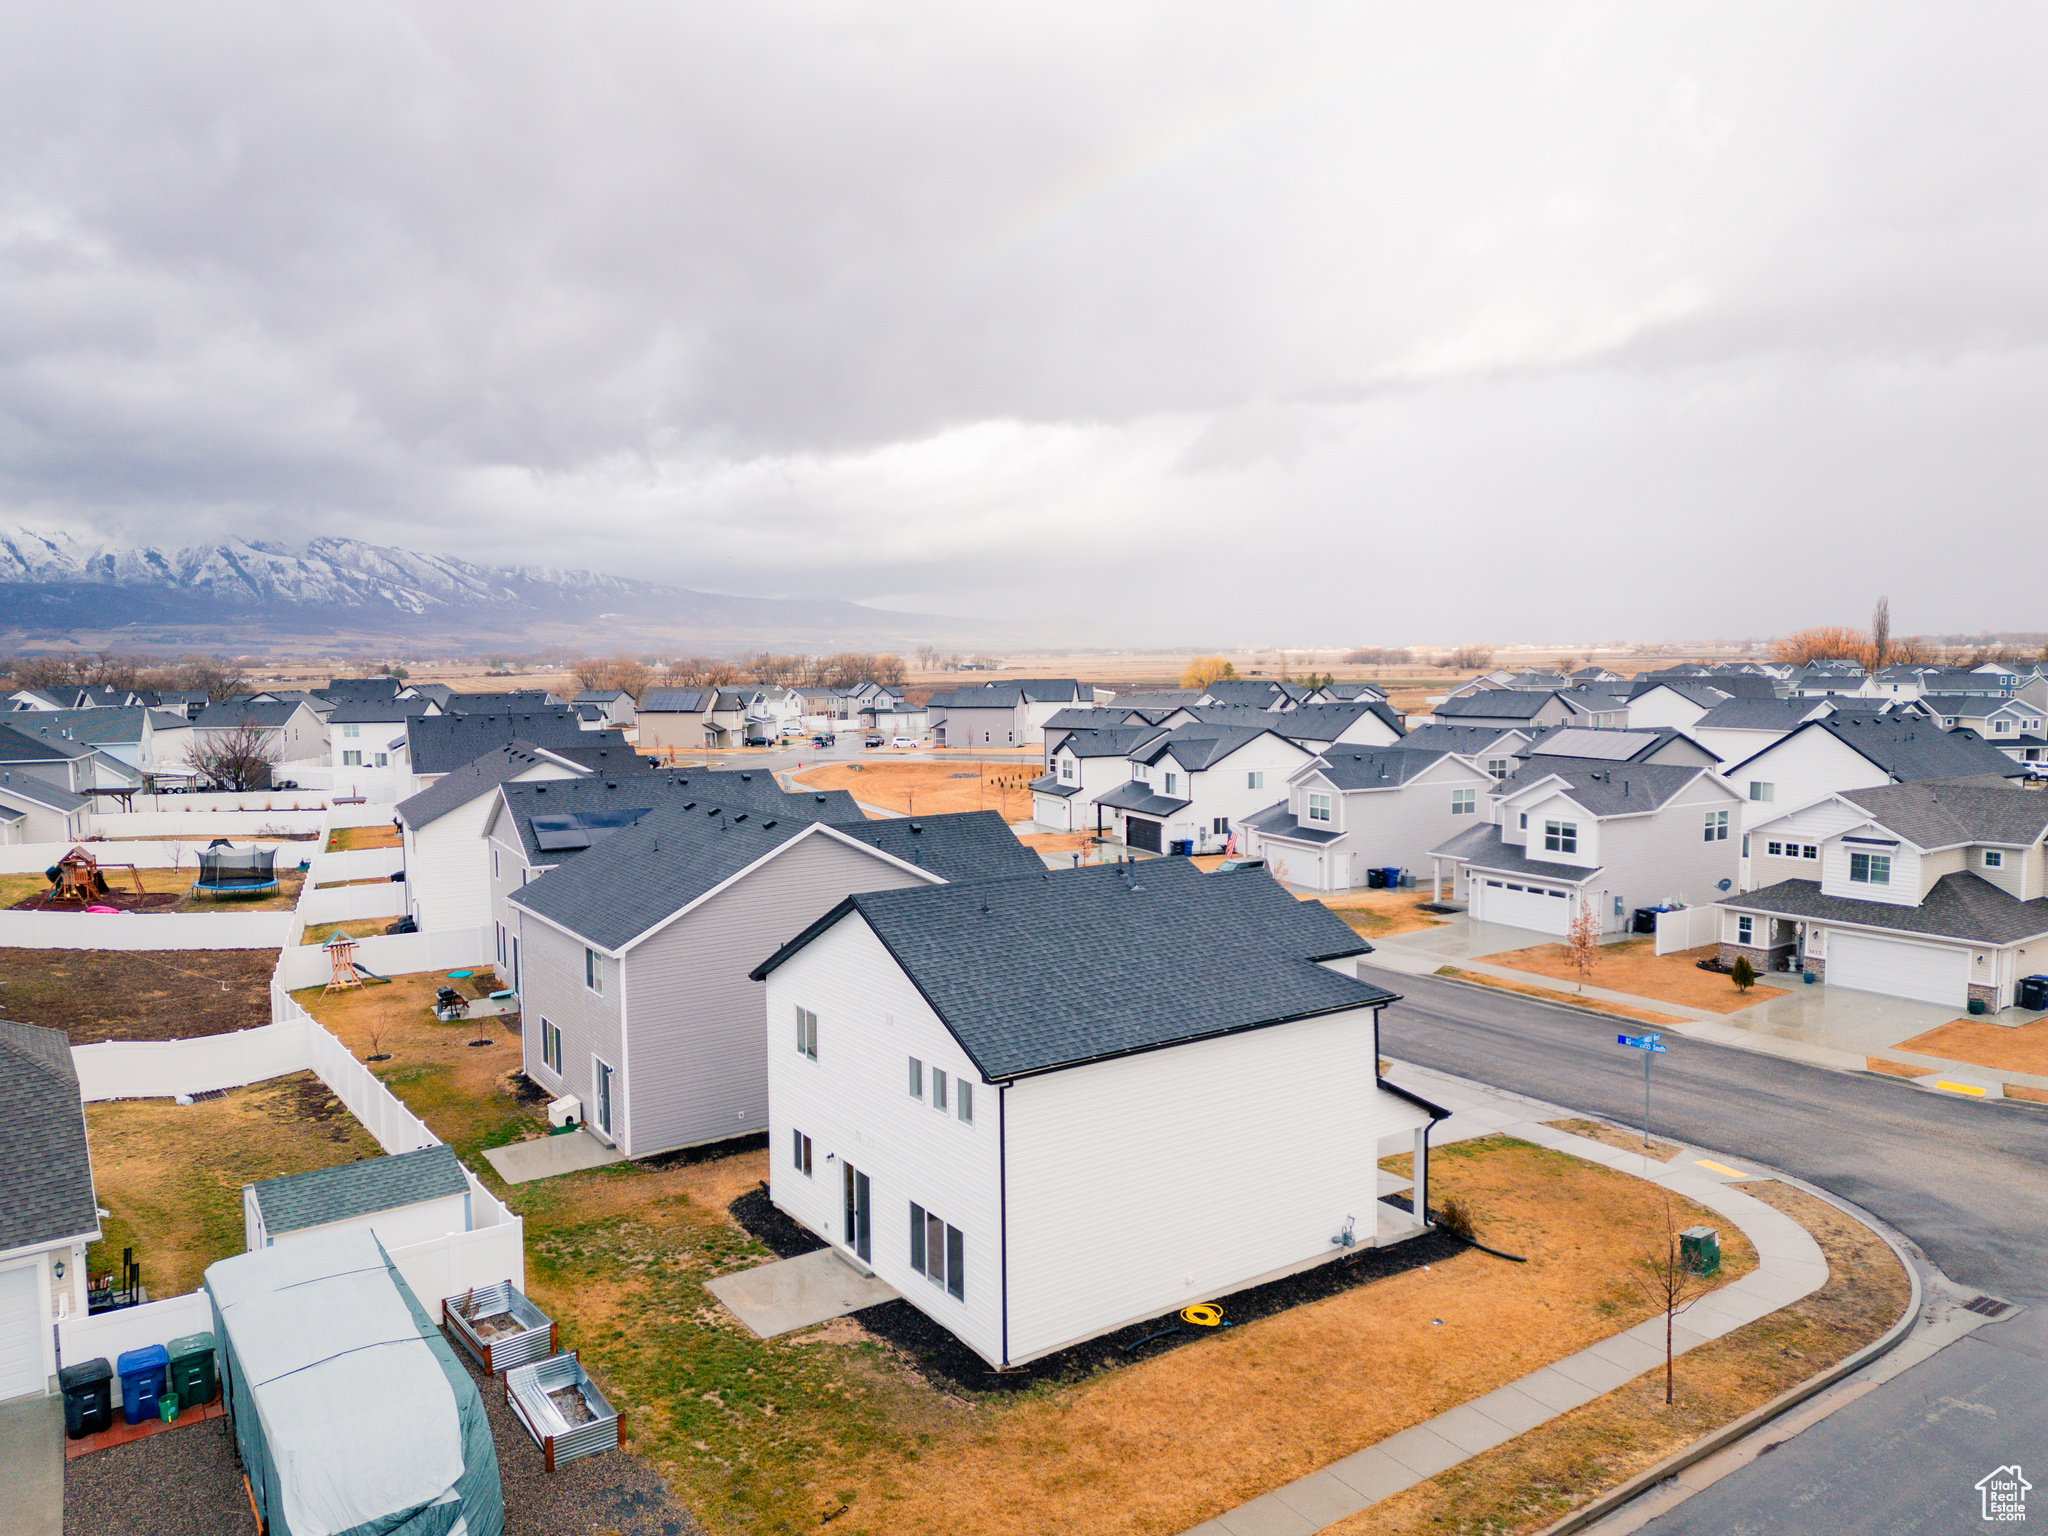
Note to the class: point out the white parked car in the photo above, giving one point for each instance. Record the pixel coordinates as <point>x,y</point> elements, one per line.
<point>904,741</point>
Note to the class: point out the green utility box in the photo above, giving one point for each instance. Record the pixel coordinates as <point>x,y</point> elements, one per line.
<point>193,1378</point>
<point>1699,1250</point>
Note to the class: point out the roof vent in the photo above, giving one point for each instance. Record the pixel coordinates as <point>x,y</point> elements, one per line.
<point>917,826</point>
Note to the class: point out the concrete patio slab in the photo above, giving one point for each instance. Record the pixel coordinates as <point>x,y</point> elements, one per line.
<point>779,1298</point>
<point>546,1156</point>
<point>32,1451</point>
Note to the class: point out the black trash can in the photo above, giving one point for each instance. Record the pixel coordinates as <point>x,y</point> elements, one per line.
<point>2033,992</point>
<point>1376,879</point>
<point>88,1389</point>
<point>1646,920</point>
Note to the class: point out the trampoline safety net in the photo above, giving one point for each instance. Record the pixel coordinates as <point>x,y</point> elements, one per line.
<point>226,868</point>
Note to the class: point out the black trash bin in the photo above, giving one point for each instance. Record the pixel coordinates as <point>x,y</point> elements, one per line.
<point>1376,879</point>
<point>1646,920</point>
<point>88,1389</point>
<point>2033,992</point>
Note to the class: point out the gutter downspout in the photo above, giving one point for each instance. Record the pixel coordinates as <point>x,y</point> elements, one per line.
<point>1003,1207</point>
<point>1420,1182</point>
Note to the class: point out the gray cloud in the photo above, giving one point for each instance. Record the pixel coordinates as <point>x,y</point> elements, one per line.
<point>1202,321</point>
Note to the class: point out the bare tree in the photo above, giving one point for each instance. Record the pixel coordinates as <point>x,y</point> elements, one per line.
<point>1670,1286</point>
<point>1582,943</point>
<point>236,757</point>
<point>1470,658</point>
<point>1379,656</point>
<point>621,672</point>
<point>1880,634</point>
<point>217,677</point>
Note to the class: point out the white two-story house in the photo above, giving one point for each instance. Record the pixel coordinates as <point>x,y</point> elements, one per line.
<point>1085,764</point>
<point>1935,890</point>
<point>1035,1155</point>
<point>1191,786</point>
<point>1846,751</point>
<point>1350,812</point>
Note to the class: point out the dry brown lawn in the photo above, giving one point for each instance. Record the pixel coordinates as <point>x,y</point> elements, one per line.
<point>933,788</point>
<point>117,994</point>
<point>172,1174</point>
<point>1607,1135</point>
<point>1634,966</point>
<point>2030,1095</point>
<point>2021,1049</point>
<point>383,835</point>
<point>1533,1480</point>
<point>1893,1068</point>
<point>1058,842</point>
<point>1377,914</point>
<point>176,883</point>
<point>1546,994</point>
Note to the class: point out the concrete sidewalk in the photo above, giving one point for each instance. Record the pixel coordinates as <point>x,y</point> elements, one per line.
<point>1837,1030</point>
<point>1790,1265</point>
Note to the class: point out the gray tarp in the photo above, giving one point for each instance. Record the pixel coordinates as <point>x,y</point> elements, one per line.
<point>350,1412</point>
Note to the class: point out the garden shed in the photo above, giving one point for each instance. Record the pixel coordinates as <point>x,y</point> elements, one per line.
<point>351,1414</point>
<point>411,1197</point>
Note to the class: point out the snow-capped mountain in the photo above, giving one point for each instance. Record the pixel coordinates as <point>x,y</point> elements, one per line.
<point>61,582</point>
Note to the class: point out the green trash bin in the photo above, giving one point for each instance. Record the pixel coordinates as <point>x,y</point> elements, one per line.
<point>193,1379</point>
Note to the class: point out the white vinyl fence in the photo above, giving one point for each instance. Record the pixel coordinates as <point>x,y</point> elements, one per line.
<point>111,1335</point>
<point>354,864</point>
<point>396,954</point>
<point>146,930</point>
<point>34,858</point>
<point>204,824</point>
<point>339,903</point>
<point>377,813</point>
<point>1687,928</point>
<point>232,800</point>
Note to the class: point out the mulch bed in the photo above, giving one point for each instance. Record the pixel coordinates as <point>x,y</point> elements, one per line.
<point>119,900</point>
<point>105,994</point>
<point>951,1366</point>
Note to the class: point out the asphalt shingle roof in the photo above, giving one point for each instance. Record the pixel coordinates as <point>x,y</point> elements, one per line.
<point>1378,768</point>
<point>339,688</point>
<point>1495,704</point>
<point>377,711</point>
<point>1909,749</point>
<point>26,787</point>
<point>443,743</point>
<point>705,793</point>
<point>1482,847</point>
<point>1134,795</point>
<point>454,790</point>
<point>1759,715</point>
<point>348,1190</point>
<point>21,742</point>
<point>1107,741</point>
<point>1196,747</point>
<point>42,1140</point>
<point>230,713</point>
<point>1465,740</point>
<point>1606,788</point>
<point>1963,905</point>
<point>677,701</point>
<point>1937,814</point>
<point>1057,970</point>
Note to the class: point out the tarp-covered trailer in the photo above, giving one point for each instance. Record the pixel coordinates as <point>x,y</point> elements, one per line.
<point>351,1414</point>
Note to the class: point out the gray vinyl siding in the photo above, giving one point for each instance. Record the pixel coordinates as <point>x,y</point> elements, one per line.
<point>552,962</point>
<point>1651,859</point>
<point>698,1071</point>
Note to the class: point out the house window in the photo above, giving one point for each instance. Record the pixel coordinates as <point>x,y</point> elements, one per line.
<point>1561,836</point>
<point>807,1033</point>
<point>1497,766</point>
<point>593,971</point>
<point>916,1078</point>
<point>501,941</point>
<point>383,760</point>
<point>1993,859</point>
<point>351,759</point>
<point>2001,725</point>
<point>351,732</point>
<point>1744,928</point>
<point>938,1090</point>
<point>938,1251</point>
<point>1717,827</point>
<point>494,863</point>
<point>800,1152</point>
<point>1220,827</point>
<point>1067,770</point>
<point>1318,807</point>
<point>1255,780</point>
<point>1525,821</point>
<point>1870,868</point>
<point>601,1072</point>
<point>1810,852</point>
<point>1774,849</point>
<point>963,1100</point>
<point>550,1046</point>
<point>1464,801</point>
<point>1762,791</point>
<point>1173,783</point>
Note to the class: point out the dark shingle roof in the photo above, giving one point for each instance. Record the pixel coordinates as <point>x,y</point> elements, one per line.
<point>1155,698</point>
<point>1134,795</point>
<point>94,727</point>
<point>965,845</point>
<point>347,1190</point>
<point>1603,787</point>
<point>230,713</point>
<point>1258,695</point>
<point>1053,971</point>
<point>1377,767</point>
<point>1482,848</point>
<point>606,804</point>
<point>377,711</point>
<point>1760,715</point>
<point>1495,704</point>
<point>443,743</point>
<point>1693,691</point>
<point>1310,722</point>
<point>1938,814</point>
<point>454,790</point>
<point>42,1140</point>
<point>339,688</point>
<point>1196,747</point>
<point>1107,741</point>
<point>1466,740</point>
<point>1963,905</point>
<point>26,787</point>
<point>21,742</point>
<point>1908,749</point>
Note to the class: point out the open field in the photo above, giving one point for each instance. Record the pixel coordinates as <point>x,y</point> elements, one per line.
<point>2019,1049</point>
<point>172,1174</point>
<point>1634,966</point>
<point>1535,1479</point>
<point>108,994</point>
<point>461,1090</point>
<point>776,1435</point>
<point>931,788</point>
<point>1551,995</point>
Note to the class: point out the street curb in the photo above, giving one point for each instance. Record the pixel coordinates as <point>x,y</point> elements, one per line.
<point>1740,1428</point>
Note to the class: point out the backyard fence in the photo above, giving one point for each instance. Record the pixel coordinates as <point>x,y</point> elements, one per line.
<point>1687,928</point>
<point>203,824</point>
<point>339,903</point>
<point>354,864</point>
<point>395,954</point>
<point>146,930</point>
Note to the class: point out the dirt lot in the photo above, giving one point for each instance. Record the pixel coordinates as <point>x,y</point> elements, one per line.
<point>1535,1479</point>
<point>781,1433</point>
<point>1634,966</point>
<point>1082,843</point>
<point>460,1090</point>
<point>1551,995</point>
<point>2024,1049</point>
<point>110,994</point>
<point>1379,913</point>
<point>341,839</point>
<point>934,788</point>
<point>172,1174</point>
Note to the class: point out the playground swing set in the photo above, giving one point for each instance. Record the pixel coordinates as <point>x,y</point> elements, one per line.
<point>80,877</point>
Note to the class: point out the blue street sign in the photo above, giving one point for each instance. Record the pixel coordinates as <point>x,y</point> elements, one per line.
<point>1641,1042</point>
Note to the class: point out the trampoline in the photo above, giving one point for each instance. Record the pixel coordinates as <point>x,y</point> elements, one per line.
<point>225,870</point>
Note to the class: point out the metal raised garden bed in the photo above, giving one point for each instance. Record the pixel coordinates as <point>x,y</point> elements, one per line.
<point>563,1410</point>
<point>499,1327</point>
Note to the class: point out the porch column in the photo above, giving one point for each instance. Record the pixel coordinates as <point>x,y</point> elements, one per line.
<point>1419,1189</point>
<point>1436,878</point>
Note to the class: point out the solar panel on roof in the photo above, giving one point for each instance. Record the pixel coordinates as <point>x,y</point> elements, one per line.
<point>1609,746</point>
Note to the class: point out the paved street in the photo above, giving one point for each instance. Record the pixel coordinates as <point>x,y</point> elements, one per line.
<point>1967,1181</point>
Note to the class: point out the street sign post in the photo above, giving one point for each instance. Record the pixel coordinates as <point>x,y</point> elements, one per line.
<point>1649,1045</point>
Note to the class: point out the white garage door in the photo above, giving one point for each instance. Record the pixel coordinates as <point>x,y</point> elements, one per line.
<point>1918,971</point>
<point>21,1338</point>
<point>1050,811</point>
<point>1525,904</point>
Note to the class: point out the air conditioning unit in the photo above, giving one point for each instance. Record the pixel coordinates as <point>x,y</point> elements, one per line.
<point>565,1110</point>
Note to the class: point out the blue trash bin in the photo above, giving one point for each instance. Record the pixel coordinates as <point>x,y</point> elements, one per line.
<point>1393,878</point>
<point>142,1373</point>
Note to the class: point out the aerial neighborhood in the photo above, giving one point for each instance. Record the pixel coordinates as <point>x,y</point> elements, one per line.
<point>1021,1028</point>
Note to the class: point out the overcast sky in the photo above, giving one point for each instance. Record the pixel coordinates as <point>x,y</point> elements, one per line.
<point>1284,324</point>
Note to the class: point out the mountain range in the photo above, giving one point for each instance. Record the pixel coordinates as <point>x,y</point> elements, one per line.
<point>57,588</point>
